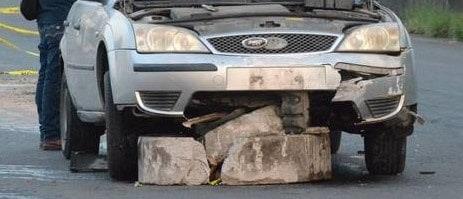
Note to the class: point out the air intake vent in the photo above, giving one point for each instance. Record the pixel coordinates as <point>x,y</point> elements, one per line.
<point>292,43</point>
<point>159,100</point>
<point>383,106</point>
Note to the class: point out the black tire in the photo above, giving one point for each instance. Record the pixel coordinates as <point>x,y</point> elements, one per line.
<point>385,152</point>
<point>335,138</point>
<point>122,145</point>
<point>75,134</point>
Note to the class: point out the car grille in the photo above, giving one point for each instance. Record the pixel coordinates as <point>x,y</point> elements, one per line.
<point>297,43</point>
<point>383,106</point>
<point>159,100</point>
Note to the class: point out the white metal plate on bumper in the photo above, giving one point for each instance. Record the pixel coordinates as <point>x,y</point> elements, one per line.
<point>279,78</point>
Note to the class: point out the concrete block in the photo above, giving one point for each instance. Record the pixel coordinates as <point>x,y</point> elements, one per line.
<point>262,122</point>
<point>172,161</point>
<point>278,159</point>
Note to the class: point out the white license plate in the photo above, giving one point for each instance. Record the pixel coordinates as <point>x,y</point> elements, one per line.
<point>297,78</point>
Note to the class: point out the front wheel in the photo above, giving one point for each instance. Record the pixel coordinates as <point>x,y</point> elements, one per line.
<point>122,144</point>
<point>75,134</point>
<point>385,151</point>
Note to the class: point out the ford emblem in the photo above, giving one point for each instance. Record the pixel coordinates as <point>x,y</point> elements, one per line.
<point>255,43</point>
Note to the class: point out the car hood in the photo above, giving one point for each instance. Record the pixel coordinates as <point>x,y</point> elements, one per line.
<point>274,24</point>
<point>199,2</point>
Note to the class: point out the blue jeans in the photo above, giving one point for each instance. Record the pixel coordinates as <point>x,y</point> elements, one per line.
<point>49,82</point>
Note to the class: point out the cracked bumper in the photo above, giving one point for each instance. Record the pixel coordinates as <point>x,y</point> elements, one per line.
<point>133,73</point>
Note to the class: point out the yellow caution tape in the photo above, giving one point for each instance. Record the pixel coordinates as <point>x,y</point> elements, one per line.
<point>10,44</point>
<point>215,182</point>
<point>7,43</point>
<point>9,10</point>
<point>21,73</point>
<point>32,53</point>
<point>18,29</point>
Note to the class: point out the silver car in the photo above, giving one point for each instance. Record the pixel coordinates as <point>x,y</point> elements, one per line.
<point>136,67</point>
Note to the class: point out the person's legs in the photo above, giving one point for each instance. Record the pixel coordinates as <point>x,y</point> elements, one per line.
<point>51,86</point>
<point>39,90</point>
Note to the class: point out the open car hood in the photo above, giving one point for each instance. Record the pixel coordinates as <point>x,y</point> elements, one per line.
<point>196,2</point>
<point>189,3</point>
<point>330,4</point>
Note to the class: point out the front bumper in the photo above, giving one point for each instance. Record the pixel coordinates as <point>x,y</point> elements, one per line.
<point>133,73</point>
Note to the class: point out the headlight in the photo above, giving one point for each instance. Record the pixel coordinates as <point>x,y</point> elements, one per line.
<point>382,37</point>
<point>151,38</point>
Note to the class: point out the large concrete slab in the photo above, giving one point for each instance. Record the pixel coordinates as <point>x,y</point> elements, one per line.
<point>278,160</point>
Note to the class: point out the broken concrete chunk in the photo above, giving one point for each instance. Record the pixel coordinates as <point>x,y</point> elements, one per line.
<point>278,160</point>
<point>172,161</point>
<point>262,122</point>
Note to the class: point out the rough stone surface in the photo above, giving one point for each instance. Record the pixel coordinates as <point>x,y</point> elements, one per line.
<point>262,122</point>
<point>172,161</point>
<point>278,160</point>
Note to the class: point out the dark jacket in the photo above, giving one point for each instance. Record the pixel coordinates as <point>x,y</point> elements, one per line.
<point>53,11</point>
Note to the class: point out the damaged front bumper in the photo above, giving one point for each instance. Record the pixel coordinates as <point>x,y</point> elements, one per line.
<point>374,100</point>
<point>167,87</point>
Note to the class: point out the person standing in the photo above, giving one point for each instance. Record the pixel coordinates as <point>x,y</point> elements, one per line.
<point>50,16</point>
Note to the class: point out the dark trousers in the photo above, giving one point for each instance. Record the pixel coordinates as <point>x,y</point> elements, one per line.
<point>49,81</point>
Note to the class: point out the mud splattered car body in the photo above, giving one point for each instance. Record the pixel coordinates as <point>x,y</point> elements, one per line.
<point>178,59</point>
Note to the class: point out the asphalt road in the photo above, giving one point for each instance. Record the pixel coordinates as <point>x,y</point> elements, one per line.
<point>28,173</point>
<point>18,39</point>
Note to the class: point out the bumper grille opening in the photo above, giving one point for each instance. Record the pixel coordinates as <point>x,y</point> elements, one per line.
<point>297,43</point>
<point>160,100</point>
<point>383,106</point>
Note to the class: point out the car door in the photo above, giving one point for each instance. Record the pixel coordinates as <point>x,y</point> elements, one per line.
<point>85,22</point>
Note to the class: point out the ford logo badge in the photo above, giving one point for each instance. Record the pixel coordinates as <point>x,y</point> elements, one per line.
<point>255,43</point>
